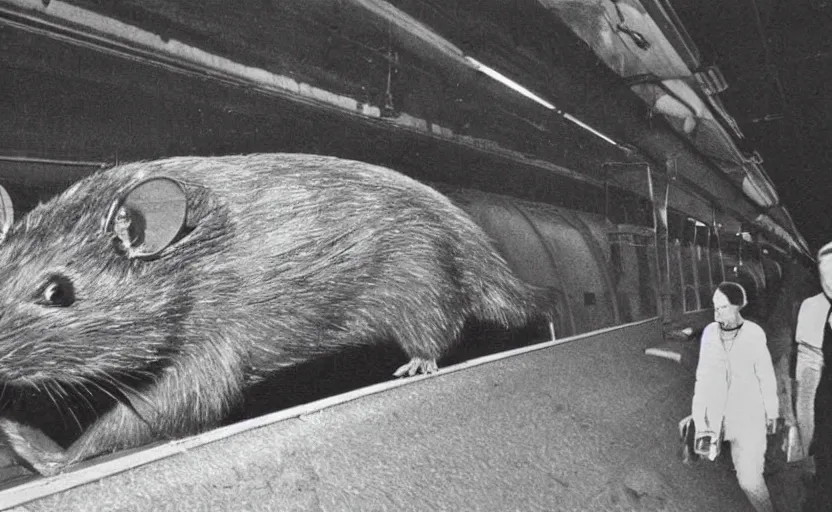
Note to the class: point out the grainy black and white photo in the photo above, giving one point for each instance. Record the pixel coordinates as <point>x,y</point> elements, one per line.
<point>415,255</point>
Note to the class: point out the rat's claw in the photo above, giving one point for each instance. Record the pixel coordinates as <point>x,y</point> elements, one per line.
<point>417,365</point>
<point>33,447</point>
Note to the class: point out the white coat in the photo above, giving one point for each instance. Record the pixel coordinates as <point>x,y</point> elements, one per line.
<point>736,389</point>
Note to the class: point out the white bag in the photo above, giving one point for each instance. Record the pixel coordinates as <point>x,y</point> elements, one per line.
<point>708,445</point>
<point>793,445</point>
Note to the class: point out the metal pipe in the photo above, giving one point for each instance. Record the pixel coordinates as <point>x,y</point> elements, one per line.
<point>50,161</point>
<point>479,66</point>
<point>660,306</point>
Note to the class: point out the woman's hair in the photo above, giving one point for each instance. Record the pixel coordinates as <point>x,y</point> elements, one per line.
<point>734,292</point>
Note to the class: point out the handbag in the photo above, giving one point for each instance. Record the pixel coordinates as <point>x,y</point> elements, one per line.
<point>695,445</point>
<point>708,445</point>
<point>793,445</point>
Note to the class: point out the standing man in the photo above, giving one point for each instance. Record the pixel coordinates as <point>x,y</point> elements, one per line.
<point>813,375</point>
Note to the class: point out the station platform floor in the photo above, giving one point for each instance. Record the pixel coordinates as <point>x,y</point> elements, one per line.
<point>587,425</point>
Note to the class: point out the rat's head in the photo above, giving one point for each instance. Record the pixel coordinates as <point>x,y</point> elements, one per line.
<point>93,283</point>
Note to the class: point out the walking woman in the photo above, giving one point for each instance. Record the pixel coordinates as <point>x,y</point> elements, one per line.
<point>735,397</point>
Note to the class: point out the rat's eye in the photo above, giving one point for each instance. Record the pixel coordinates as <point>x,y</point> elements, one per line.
<point>58,291</point>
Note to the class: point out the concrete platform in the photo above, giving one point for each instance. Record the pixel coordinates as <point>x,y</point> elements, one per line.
<point>588,425</point>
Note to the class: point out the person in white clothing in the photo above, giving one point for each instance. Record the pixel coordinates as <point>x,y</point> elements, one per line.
<point>735,397</point>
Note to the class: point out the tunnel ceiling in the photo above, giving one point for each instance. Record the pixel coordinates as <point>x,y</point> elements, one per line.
<point>777,57</point>
<point>361,49</point>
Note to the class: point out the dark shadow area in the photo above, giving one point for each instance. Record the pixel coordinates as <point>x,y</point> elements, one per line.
<point>63,415</point>
<point>363,366</point>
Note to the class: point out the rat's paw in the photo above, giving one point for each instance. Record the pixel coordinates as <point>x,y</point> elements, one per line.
<point>417,365</point>
<point>34,448</point>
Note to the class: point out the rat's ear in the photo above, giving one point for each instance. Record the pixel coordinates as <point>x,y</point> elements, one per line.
<point>148,217</point>
<point>6,213</point>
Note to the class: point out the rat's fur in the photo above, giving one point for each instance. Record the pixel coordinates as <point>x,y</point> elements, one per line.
<point>285,257</point>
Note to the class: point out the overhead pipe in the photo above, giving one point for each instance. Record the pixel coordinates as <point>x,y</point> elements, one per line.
<point>757,186</point>
<point>534,97</point>
<point>50,161</point>
<point>401,20</point>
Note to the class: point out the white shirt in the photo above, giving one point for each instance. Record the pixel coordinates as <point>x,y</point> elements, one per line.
<point>810,319</point>
<point>809,332</point>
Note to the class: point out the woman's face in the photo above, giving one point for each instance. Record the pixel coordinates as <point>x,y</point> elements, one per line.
<point>725,313</point>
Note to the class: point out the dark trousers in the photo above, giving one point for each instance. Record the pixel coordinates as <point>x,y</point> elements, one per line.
<point>820,495</point>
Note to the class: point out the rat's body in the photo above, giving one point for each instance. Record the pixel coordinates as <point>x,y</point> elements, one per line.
<point>285,257</point>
